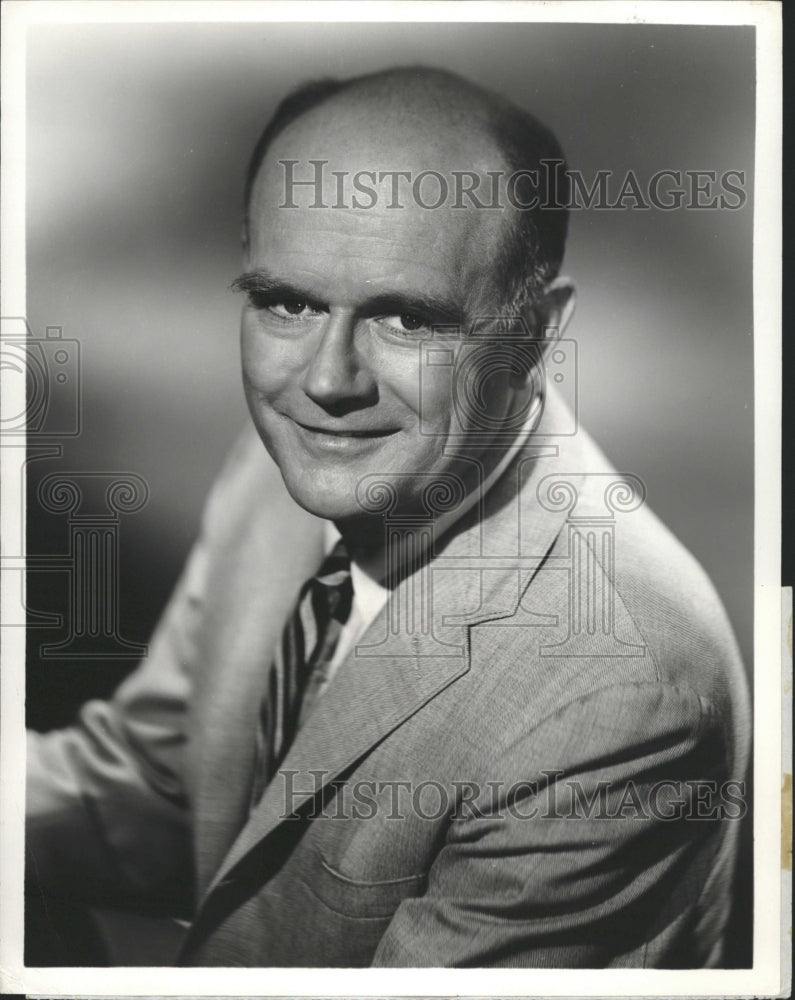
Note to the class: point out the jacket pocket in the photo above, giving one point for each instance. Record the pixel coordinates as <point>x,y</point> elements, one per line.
<point>357,898</point>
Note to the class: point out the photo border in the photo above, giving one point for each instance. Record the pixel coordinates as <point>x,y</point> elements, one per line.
<point>767,976</point>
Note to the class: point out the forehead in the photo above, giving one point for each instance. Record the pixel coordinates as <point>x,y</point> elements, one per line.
<point>359,251</point>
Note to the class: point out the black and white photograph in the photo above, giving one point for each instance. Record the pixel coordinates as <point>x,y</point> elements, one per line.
<point>391,597</point>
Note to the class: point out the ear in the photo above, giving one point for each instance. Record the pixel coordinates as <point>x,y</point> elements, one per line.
<point>554,309</point>
<point>548,318</point>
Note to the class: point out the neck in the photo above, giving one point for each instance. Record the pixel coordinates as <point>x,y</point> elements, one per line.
<point>365,540</point>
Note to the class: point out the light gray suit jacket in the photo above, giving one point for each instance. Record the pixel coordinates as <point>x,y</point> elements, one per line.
<point>507,771</point>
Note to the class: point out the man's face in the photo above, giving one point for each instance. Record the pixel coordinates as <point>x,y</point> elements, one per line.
<point>340,301</point>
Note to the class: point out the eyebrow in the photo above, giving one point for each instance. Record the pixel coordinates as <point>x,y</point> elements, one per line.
<point>260,282</point>
<point>431,307</point>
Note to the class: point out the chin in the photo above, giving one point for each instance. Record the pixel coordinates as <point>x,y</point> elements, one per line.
<point>331,501</point>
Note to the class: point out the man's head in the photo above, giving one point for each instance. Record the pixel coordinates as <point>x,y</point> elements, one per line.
<point>349,277</point>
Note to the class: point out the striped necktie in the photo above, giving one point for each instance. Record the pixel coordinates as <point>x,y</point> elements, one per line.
<point>299,671</point>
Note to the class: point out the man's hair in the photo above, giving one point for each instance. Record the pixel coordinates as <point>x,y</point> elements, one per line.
<point>533,248</point>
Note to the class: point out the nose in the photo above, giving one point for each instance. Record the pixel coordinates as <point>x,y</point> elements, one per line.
<point>337,377</point>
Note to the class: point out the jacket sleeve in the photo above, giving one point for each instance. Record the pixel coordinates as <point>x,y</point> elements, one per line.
<point>601,858</point>
<point>107,805</point>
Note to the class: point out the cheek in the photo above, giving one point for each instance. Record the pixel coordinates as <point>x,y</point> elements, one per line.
<point>422,389</point>
<point>268,363</point>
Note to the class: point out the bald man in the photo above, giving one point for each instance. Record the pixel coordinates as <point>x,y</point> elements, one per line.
<point>436,688</point>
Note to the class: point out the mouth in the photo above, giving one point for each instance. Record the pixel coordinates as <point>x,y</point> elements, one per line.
<point>322,441</point>
<point>347,432</point>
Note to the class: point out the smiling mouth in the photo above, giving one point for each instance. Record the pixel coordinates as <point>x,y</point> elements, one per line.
<point>348,433</point>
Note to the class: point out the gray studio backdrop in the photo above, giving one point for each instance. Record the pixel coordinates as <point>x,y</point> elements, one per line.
<point>137,140</point>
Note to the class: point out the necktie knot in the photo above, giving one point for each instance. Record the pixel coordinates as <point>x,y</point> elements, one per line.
<point>333,588</point>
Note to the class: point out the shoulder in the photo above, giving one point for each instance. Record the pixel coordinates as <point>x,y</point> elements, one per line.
<point>621,560</point>
<point>617,608</point>
<point>248,495</point>
<point>247,470</point>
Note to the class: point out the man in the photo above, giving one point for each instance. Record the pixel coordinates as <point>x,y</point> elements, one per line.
<point>435,687</point>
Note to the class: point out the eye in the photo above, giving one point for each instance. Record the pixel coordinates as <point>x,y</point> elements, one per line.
<point>410,321</point>
<point>405,322</point>
<point>290,309</point>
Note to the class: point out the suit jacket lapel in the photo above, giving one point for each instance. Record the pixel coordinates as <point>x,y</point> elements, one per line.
<point>369,696</point>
